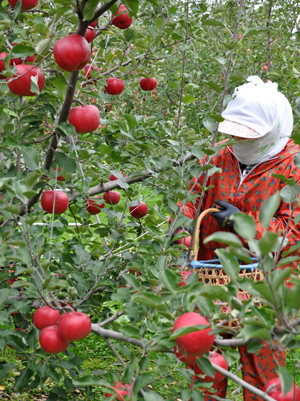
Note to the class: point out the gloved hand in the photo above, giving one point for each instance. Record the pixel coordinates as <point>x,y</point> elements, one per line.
<point>222,217</point>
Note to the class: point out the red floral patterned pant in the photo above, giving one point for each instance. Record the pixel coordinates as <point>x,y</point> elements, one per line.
<point>257,369</point>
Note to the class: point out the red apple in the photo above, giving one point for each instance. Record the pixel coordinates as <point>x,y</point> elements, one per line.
<point>30,59</point>
<point>196,343</point>
<point>84,118</point>
<point>60,177</point>
<point>276,392</point>
<point>217,359</point>
<point>90,35</point>
<point>45,316</point>
<point>61,201</point>
<point>114,86</point>
<point>185,275</point>
<point>94,23</point>
<point>89,68</point>
<point>74,326</point>
<point>51,340</point>
<point>26,4</point>
<point>21,85</point>
<point>265,67</point>
<point>148,84</point>
<point>112,197</point>
<point>72,53</point>
<point>120,390</point>
<point>94,207</point>
<point>185,358</point>
<point>121,18</point>
<point>139,210</point>
<point>2,68</point>
<point>185,241</point>
<point>114,178</point>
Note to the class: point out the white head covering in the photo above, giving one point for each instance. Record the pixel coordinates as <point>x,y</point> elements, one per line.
<point>258,111</point>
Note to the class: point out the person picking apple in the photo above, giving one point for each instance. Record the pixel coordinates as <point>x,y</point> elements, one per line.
<point>260,119</point>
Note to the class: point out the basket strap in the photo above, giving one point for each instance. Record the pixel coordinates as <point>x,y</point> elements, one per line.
<point>197,230</point>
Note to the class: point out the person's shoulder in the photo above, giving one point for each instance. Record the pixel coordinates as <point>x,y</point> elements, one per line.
<point>224,149</point>
<point>290,149</point>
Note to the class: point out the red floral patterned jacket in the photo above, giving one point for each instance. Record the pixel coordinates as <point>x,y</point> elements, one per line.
<point>247,195</point>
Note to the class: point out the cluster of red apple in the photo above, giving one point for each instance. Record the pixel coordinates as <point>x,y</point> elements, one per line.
<point>58,331</point>
<point>196,344</point>
<point>57,202</point>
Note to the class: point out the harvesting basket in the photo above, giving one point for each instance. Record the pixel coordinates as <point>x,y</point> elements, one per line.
<point>212,272</point>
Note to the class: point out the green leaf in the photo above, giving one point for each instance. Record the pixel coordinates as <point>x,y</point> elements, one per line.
<point>229,263</point>
<point>31,157</point>
<point>152,396</point>
<point>159,22</point>
<point>253,331</point>
<point>128,374</point>
<point>188,329</point>
<point>142,381</point>
<point>42,48</point>
<point>212,22</point>
<point>244,225</point>
<point>297,159</point>
<point>289,194</point>
<point>34,88</point>
<point>4,369</point>
<point>213,85</point>
<point>17,9</point>
<point>206,366</point>
<point>214,292</point>
<point>279,277</point>
<point>255,31</point>
<point>197,396</point>
<point>267,242</point>
<point>151,300</point>
<point>90,380</point>
<point>268,209</point>
<point>288,260</point>
<point>293,299</point>
<point>226,238</point>
<point>132,281</point>
<point>286,379</point>
<point>22,51</point>
<point>130,331</point>
<point>104,149</point>
<point>169,279</point>
<point>188,99</point>
<point>65,162</point>
<point>89,9</point>
<point>131,120</point>
<point>4,294</point>
<point>132,5</point>
<point>288,181</point>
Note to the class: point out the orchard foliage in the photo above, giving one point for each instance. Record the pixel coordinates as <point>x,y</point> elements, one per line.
<point>150,141</point>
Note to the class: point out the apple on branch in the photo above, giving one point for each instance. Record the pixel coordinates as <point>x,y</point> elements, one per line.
<point>74,326</point>
<point>112,197</point>
<point>90,35</point>
<point>198,342</point>
<point>26,4</point>
<point>276,391</point>
<point>45,316</point>
<point>148,84</point>
<point>61,201</point>
<point>22,86</point>
<point>72,53</point>
<point>94,207</point>
<point>121,18</point>
<point>51,340</point>
<point>85,119</point>
<point>115,86</point>
<point>139,210</point>
<point>217,359</point>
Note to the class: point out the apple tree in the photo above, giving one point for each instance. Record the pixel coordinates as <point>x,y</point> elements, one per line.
<point>106,109</point>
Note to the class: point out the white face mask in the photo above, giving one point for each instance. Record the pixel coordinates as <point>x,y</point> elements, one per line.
<point>259,150</point>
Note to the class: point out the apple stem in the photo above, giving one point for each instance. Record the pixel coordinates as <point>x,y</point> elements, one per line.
<point>77,101</point>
